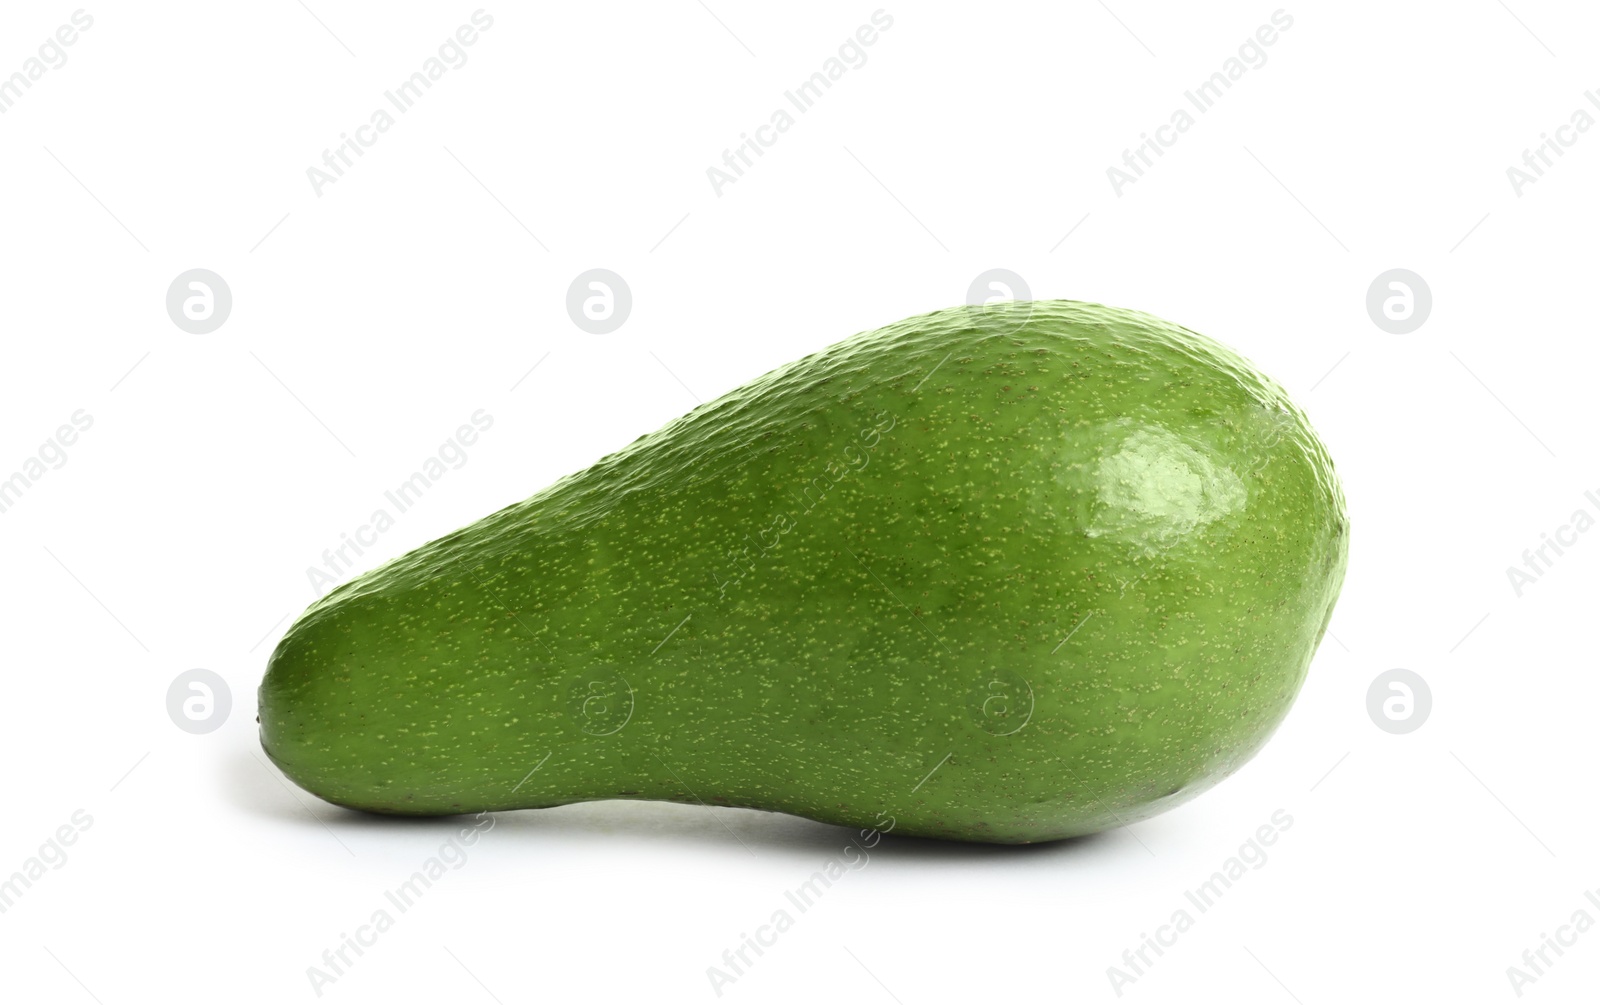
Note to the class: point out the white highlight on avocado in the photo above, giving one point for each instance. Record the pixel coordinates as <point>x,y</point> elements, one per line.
<point>1157,489</point>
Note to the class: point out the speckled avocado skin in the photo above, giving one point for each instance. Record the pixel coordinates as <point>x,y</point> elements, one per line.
<point>1003,573</point>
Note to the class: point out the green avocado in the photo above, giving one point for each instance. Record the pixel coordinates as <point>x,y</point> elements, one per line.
<point>1005,573</point>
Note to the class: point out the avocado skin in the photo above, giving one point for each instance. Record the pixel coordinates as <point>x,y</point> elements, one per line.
<point>872,557</point>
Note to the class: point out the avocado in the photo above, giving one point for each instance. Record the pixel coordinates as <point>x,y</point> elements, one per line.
<point>1006,573</point>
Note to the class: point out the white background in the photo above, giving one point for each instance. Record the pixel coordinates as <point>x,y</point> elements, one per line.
<point>373,319</point>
